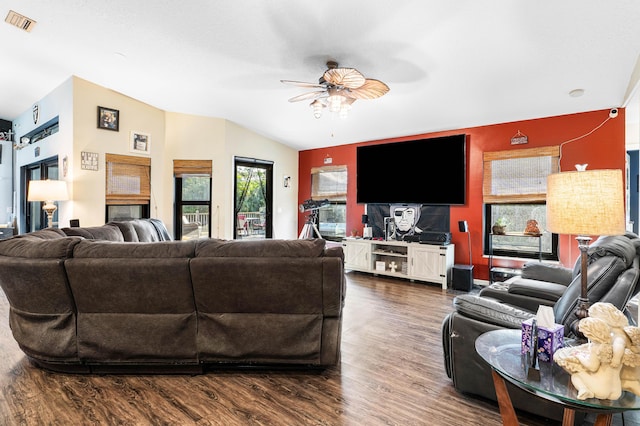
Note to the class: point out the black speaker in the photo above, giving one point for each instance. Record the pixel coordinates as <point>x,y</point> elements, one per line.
<point>462,226</point>
<point>462,277</point>
<point>365,219</point>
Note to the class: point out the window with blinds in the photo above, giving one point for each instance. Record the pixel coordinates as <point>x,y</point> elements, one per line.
<point>128,179</point>
<point>192,167</point>
<point>518,176</point>
<point>329,182</point>
<point>514,192</point>
<point>192,214</point>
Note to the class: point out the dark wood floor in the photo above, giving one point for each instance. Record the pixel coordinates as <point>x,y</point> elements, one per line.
<point>391,374</point>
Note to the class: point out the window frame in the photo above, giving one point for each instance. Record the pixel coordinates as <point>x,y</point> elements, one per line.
<point>518,254</point>
<point>491,197</point>
<point>337,194</point>
<point>182,168</point>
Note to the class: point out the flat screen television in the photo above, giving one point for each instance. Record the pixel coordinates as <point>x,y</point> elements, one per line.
<point>422,171</point>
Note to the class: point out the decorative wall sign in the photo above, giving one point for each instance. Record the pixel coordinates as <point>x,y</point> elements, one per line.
<point>140,143</point>
<point>108,119</point>
<point>519,139</point>
<point>36,113</point>
<point>89,161</point>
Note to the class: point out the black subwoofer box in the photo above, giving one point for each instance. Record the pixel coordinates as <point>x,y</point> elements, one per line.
<point>462,277</point>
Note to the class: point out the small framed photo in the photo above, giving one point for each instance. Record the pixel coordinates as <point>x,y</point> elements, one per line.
<point>140,143</point>
<point>108,118</point>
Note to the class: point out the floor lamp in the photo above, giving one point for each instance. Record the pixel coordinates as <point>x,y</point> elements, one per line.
<point>48,191</point>
<point>585,203</point>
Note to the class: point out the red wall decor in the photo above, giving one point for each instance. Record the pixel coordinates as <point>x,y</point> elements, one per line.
<point>602,148</point>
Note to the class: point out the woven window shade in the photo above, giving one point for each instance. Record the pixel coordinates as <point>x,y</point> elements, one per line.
<point>128,179</point>
<point>329,183</point>
<point>192,167</point>
<point>518,176</point>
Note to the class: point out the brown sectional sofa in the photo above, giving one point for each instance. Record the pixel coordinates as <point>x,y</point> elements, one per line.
<point>97,300</point>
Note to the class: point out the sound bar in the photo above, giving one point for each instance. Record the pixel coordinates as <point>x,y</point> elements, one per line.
<point>437,238</point>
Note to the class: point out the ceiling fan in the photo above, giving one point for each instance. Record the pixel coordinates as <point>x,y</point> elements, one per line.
<point>338,89</point>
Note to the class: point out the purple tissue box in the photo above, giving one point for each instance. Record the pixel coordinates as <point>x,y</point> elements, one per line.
<point>548,340</point>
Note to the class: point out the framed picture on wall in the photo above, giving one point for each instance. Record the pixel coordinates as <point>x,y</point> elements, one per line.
<point>108,118</point>
<point>140,143</point>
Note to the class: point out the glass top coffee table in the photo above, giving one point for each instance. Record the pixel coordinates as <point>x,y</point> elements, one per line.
<point>501,349</point>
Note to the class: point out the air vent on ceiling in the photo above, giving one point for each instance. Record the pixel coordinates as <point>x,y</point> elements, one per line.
<point>19,21</point>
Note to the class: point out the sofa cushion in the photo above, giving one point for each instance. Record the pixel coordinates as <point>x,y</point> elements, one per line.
<point>128,231</point>
<point>45,234</point>
<point>491,311</point>
<point>550,291</point>
<point>546,272</point>
<point>260,248</point>
<point>108,232</point>
<point>34,246</point>
<point>125,250</point>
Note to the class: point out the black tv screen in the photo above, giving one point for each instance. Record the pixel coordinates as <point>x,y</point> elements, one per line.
<point>423,171</point>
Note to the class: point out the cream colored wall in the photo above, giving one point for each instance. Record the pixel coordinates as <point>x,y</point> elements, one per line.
<point>88,185</point>
<point>192,137</point>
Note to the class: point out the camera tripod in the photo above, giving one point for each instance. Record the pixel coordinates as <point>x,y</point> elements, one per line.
<point>310,226</point>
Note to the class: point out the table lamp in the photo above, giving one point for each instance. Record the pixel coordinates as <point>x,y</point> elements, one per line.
<point>585,203</point>
<point>48,191</point>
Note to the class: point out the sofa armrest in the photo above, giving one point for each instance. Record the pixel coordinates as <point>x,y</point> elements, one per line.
<point>491,311</point>
<point>550,273</point>
<point>539,289</point>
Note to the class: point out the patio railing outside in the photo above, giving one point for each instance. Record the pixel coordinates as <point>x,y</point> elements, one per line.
<point>250,225</point>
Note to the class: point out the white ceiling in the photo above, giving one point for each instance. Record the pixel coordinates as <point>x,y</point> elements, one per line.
<point>449,64</point>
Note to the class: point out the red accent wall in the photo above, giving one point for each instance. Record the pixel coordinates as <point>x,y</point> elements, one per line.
<point>602,149</point>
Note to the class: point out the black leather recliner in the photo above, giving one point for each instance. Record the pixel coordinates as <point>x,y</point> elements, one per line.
<point>613,272</point>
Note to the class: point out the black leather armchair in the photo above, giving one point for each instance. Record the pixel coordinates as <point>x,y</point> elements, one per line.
<point>613,271</point>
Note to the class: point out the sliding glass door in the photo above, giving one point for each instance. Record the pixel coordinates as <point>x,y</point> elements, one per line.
<point>253,204</point>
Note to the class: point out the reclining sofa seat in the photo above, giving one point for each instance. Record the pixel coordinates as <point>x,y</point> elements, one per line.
<point>79,303</point>
<point>613,272</point>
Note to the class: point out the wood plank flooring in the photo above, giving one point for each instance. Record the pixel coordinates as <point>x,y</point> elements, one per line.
<point>391,374</point>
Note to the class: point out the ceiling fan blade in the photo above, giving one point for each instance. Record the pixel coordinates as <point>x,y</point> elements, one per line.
<point>308,95</point>
<point>346,77</point>
<point>371,89</point>
<point>303,84</point>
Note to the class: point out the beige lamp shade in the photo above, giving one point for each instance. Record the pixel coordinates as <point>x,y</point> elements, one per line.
<point>47,190</point>
<point>589,202</point>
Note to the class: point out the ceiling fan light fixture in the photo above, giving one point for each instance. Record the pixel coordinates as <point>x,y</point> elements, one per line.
<point>335,99</point>
<point>339,88</point>
<point>317,106</point>
<point>345,107</point>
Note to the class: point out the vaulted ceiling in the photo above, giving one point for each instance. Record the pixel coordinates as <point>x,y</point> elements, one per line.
<point>448,64</point>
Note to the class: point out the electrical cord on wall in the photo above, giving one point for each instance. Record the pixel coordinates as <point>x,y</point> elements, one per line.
<point>613,113</point>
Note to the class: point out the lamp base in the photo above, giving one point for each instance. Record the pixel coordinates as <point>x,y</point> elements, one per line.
<point>582,307</point>
<point>49,208</point>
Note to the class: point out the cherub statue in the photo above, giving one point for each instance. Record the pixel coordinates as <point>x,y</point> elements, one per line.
<point>630,373</point>
<point>617,322</point>
<point>595,373</point>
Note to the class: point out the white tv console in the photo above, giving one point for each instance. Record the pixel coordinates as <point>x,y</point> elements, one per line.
<point>414,261</point>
